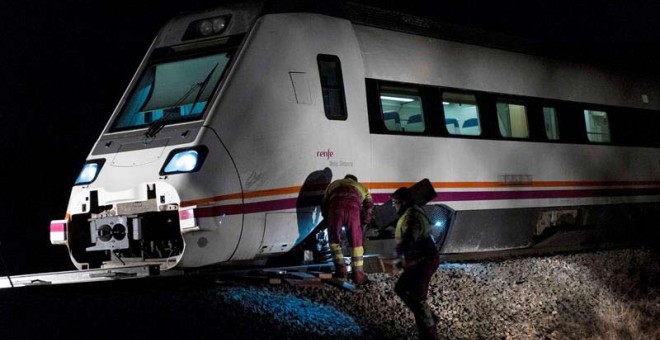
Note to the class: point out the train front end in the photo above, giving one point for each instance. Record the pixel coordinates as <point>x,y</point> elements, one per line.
<point>135,199</point>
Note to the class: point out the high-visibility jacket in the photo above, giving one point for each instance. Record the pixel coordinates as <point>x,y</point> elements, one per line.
<point>413,235</point>
<point>332,188</point>
<point>347,188</point>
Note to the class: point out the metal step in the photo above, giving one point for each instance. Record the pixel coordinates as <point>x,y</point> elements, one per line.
<point>79,276</point>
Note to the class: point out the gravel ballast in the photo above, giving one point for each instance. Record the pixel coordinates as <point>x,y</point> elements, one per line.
<point>601,295</point>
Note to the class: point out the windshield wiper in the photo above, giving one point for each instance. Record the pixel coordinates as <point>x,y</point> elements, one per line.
<point>159,123</point>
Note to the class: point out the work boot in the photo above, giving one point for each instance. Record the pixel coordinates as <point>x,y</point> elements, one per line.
<point>360,278</point>
<point>426,322</point>
<point>430,333</point>
<point>357,263</point>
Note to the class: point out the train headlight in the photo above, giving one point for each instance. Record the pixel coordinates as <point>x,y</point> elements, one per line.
<point>89,171</point>
<point>184,160</point>
<point>206,27</point>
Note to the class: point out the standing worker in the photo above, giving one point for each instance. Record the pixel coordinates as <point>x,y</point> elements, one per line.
<point>419,259</point>
<point>347,203</point>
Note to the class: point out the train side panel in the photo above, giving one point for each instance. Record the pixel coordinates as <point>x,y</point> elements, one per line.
<point>504,193</point>
<point>271,119</point>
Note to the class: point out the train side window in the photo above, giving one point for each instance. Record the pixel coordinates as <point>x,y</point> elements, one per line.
<point>461,114</point>
<point>512,120</point>
<point>332,86</point>
<point>551,125</point>
<point>402,109</point>
<point>598,126</point>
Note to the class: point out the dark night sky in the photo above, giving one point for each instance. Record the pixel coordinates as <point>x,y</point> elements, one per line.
<point>64,65</point>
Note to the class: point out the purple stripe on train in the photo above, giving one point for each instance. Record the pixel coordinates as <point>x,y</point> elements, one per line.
<point>443,196</point>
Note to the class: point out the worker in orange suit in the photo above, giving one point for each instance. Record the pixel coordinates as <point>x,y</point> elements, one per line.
<point>347,203</point>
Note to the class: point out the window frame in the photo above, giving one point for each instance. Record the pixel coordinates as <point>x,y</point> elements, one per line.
<point>423,105</point>
<point>374,104</point>
<point>587,134</point>
<point>166,55</point>
<point>569,115</point>
<point>544,130</point>
<point>513,101</point>
<point>340,79</point>
<point>480,115</point>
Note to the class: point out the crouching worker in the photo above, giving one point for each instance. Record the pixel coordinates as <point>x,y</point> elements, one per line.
<point>419,259</point>
<point>343,202</point>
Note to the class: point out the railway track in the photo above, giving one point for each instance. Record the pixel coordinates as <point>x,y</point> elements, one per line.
<point>378,259</point>
<point>300,275</point>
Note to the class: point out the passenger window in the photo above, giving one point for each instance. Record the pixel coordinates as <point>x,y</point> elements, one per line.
<point>332,86</point>
<point>598,127</point>
<point>512,119</point>
<point>551,125</point>
<point>401,109</point>
<point>461,114</point>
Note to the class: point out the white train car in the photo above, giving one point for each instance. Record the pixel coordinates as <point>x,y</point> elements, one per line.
<point>238,117</point>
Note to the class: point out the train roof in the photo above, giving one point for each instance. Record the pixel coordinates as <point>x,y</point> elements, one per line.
<point>389,18</point>
<point>386,17</point>
<point>381,17</point>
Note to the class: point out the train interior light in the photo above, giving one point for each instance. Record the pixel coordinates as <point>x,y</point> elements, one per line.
<point>397,99</point>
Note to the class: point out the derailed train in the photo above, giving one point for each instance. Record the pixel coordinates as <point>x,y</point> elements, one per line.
<point>238,117</point>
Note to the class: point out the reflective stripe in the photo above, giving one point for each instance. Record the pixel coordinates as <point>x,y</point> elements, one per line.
<point>338,254</point>
<point>357,256</point>
<point>357,251</point>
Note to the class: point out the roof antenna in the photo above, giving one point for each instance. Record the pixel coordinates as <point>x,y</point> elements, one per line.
<point>4,265</point>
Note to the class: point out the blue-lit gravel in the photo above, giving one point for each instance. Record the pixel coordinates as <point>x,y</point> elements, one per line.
<point>288,311</point>
<point>600,295</point>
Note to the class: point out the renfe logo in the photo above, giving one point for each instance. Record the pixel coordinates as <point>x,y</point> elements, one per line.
<point>327,154</point>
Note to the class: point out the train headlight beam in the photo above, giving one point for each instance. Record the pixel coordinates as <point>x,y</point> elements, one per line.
<point>89,171</point>
<point>184,160</point>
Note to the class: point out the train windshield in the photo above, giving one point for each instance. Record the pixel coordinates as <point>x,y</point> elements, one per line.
<point>172,91</point>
